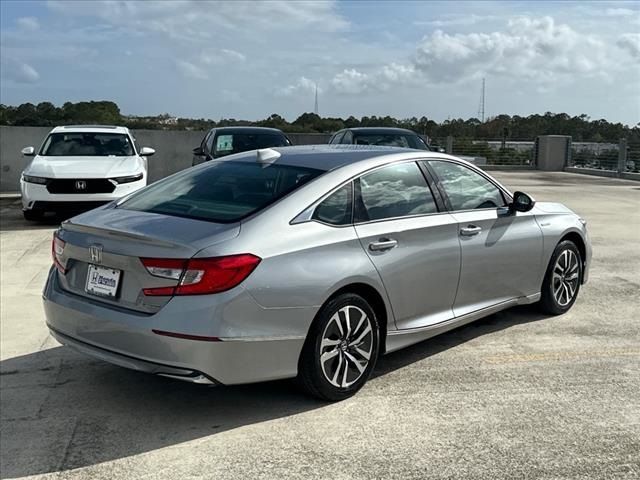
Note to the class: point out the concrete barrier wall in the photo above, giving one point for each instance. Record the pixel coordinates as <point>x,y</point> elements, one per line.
<point>173,150</point>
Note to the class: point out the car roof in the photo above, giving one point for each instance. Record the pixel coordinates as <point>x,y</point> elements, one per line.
<point>381,130</point>
<point>90,128</point>
<point>254,130</point>
<point>326,157</point>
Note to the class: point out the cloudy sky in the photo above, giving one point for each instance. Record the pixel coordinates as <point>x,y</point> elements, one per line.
<point>248,60</point>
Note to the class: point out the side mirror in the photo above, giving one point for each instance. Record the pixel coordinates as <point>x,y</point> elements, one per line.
<point>521,202</point>
<point>198,152</point>
<point>146,152</point>
<point>28,151</point>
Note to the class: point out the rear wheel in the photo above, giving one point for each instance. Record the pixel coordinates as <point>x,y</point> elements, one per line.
<point>341,349</point>
<point>33,215</point>
<point>562,281</point>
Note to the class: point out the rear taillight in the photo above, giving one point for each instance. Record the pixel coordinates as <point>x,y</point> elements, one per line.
<point>200,276</point>
<point>57,248</point>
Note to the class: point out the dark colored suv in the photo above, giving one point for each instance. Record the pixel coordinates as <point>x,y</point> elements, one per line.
<point>219,142</point>
<point>391,137</point>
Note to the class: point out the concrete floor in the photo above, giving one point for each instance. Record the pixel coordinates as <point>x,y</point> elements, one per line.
<point>516,395</point>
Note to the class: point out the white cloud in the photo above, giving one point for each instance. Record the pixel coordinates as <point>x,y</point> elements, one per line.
<point>185,19</point>
<point>18,72</point>
<point>303,86</point>
<point>221,57</point>
<point>351,81</point>
<point>631,43</point>
<point>620,12</point>
<point>189,70</point>
<point>456,20</point>
<point>28,23</point>
<point>528,48</point>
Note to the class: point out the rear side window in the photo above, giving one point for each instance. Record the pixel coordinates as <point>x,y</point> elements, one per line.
<point>336,208</point>
<point>223,192</point>
<point>398,190</point>
<point>466,189</point>
<point>229,143</point>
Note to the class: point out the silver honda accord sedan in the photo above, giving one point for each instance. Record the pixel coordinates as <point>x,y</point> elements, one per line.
<point>305,262</point>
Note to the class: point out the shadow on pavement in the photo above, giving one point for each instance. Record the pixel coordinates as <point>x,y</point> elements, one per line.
<point>61,410</point>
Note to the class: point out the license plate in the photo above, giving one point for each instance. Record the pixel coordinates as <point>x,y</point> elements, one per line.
<point>102,281</point>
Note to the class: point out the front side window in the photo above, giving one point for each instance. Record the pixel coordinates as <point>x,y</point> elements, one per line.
<point>466,189</point>
<point>223,192</point>
<point>229,143</point>
<point>336,138</point>
<point>336,208</point>
<point>398,190</point>
<point>87,144</point>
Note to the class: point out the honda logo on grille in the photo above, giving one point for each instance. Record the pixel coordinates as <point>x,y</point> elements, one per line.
<point>81,185</point>
<point>96,253</point>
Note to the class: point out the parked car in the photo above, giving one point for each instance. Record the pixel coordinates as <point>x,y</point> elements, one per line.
<point>383,136</point>
<point>81,167</point>
<point>223,141</point>
<point>305,262</point>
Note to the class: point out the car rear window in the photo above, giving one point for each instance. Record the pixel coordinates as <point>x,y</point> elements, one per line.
<point>229,143</point>
<point>390,140</point>
<point>223,192</point>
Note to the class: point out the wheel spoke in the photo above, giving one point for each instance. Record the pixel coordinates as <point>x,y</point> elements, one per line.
<point>334,379</point>
<point>362,319</point>
<point>355,362</point>
<point>329,355</point>
<point>347,319</point>
<point>566,292</point>
<point>336,320</point>
<point>328,342</point>
<point>571,288</point>
<point>364,333</point>
<point>346,370</point>
<point>362,353</point>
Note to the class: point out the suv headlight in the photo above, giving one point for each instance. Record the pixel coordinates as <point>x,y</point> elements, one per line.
<point>38,180</point>
<point>128,178</point>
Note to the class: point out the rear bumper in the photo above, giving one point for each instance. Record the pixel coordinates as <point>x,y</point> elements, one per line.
<point>126,338</point>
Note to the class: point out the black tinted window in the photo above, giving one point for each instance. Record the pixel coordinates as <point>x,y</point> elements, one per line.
<point>228,143</point>
<point>336,208</point>
<point>396,191</point>
<point>223,192</point>
<point>466,189</point>
<point>336,138</point>
<point>90,144</point>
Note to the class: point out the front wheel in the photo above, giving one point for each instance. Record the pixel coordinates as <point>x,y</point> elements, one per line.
<point>33,215</point>
<point>341,349</point>
<point>562,281</point>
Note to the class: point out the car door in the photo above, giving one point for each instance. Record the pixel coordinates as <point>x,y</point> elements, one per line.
<point>501,251</point>
<point>410,240</point>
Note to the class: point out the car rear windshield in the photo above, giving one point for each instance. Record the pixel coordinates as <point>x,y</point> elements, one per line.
<point>222,192</point>
<point>90,144</point>
<point>390,140</point>
<point>229,143</point>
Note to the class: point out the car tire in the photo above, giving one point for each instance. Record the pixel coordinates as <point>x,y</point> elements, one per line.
<point>562,280</point>
<point>33,215</point>
<point>341,349</point>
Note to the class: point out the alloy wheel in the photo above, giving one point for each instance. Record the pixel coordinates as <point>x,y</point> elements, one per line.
<point>346,346</point>
<point>566,275</point>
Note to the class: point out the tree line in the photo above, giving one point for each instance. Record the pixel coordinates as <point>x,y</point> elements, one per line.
<point>581,127</point>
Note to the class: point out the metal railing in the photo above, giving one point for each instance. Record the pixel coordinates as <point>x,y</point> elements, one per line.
<point>490,152</point>
<point>622,157</point>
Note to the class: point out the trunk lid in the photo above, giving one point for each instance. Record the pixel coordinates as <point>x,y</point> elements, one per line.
<point>123,238</point>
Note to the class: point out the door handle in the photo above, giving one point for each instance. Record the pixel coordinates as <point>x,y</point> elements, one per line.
<point>470,231</point>
<point>383,244</point>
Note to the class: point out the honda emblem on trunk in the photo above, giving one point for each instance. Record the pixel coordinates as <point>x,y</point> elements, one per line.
<point>81,185</point>
<point>96,253</point>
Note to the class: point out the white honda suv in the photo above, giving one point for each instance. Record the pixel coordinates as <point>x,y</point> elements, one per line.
<point>82,167</point>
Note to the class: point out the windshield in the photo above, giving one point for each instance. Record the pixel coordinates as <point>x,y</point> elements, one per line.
<point>87,144</point>
<point>390,140</point>
<point>223,192</point>
<point>228,143</point>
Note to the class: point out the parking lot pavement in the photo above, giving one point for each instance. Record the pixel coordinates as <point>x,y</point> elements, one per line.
<point>516,395</point>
